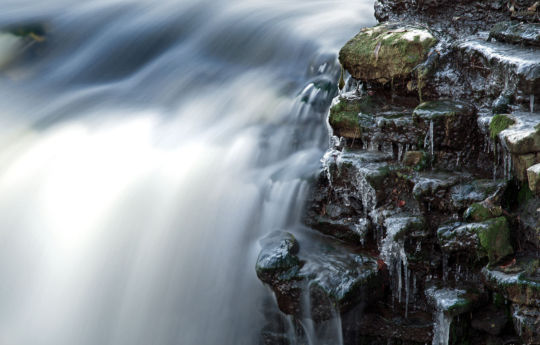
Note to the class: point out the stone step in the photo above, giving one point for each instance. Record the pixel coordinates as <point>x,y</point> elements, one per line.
<point>495,68</point>
<point>516,33</point>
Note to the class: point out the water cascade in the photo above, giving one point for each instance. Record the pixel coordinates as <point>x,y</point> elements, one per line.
<point>145,150</point>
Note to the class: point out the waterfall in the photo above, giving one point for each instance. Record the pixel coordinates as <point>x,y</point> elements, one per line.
<point>145,148</point>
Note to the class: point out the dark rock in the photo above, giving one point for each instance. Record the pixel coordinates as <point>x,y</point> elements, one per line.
<point>490,320</point>
<point>277,260</point>
<point>328,276</point>
<point>529,216</point>
<point>453,122</point>
<point>465,194</point>
<point>516,33</point>
<point>527,323</point>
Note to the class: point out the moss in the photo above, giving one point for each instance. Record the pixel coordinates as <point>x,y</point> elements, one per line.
<point>383,54</point>
<point>477,212</point>
<point>499,123</point>
<point>495,239</point>
<point>524,194</point>
<point>424,162</point>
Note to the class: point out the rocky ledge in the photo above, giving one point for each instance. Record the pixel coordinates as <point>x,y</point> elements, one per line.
<point>429,196</point>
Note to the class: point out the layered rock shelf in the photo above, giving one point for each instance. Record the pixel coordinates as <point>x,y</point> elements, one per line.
<point>428,200</point>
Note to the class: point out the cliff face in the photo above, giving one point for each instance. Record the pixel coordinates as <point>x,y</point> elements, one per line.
<point>430,194</point>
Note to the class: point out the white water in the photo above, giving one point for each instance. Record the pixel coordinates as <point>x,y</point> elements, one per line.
<point>143,152</point>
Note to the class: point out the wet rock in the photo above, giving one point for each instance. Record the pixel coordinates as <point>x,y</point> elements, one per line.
<point>494,237</point>
<point>490,238</point>
<point>386,52</point>
<point>277,260</point>
<point>527,323</point>
<point>516,33</point>
<point>490,320</point>
<point>479,212</point>
<point>327,276</point>
<point>533,176</point>
<point>519,65</point>
<point>432,188</point>
<point>519,282</point>
<point>453,122</point>
<point>529,229</point>
<point>464,194</point>
<point>452,302</point>
<point>347,192</point>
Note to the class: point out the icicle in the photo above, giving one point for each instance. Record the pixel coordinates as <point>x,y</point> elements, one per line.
<point>531,100</point>
<point>400,152</point>
<point>432,138</point>
<point>407,290</point>
<point>445,267</point>
<point>429,140</point>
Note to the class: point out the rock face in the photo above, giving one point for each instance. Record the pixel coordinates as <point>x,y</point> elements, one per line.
<point>428,198</point>
<point>388,52</point>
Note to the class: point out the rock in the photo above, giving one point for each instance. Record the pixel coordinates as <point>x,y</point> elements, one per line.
<point>529,225</point>
<point>533,176</point>
<point>458,237</point>
<point>516,33</point>
<point>479,212</point>
<point>522,163</point>
<point>527,323</point>
<point>523,137</point>
<point>490,320</point>
<point>386,52</point>
<point>432,188</point>
<point>413,158</point>
<point>519,282</point>
<point>452,302</point>
<point>384,324</point>
<point>490,238</point>
<point>327,275</point>
<point>505,62</point>
<point>277,260</point>
<point>494,236</point>
<point>453,122</point>
<point>465,194</point>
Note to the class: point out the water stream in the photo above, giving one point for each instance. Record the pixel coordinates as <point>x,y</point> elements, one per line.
<point>144,149</point>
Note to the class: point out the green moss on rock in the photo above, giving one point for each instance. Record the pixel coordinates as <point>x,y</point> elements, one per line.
<point>386,52</point>
<point>494,239</point>
<point>499,123</point>
<point>479,212</point>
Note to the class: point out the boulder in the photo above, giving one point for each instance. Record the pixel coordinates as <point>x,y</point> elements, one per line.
<point>329,277</point>
<point>387,52</point>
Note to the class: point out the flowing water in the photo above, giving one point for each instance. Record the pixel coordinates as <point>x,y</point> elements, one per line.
<point>145,147</point>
